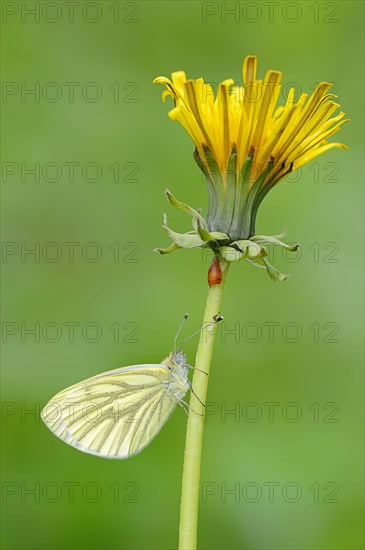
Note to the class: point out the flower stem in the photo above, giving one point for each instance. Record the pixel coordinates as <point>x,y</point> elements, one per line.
<point>195,427</point>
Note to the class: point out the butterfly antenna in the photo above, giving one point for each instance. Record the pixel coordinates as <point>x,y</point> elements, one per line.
<point>216,320</point>
<point>195,368</point>
<point>179,329</point>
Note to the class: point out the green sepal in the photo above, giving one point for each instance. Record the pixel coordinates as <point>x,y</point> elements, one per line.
<point>231,254</point>
<point>251,250</point>
<point>248,223</point>
<point>183,240</point>
<point>203,232</point>
<point>264,239</point>
<point>273,273</point>
<point>243,250</point>
<point>167,250</point>
<point>183,206</point>
<point>230,194</point>
<point>194,221</point>
<point>216,190</point>
<point>241,196</point>
<point>212,191</point>
<point>209,236</point>
<point>218,236</point>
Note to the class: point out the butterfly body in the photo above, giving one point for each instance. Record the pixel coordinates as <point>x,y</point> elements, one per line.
<point>177,385</point>
<point>117,413</point>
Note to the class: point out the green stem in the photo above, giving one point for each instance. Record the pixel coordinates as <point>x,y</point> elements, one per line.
<point>195,427</point>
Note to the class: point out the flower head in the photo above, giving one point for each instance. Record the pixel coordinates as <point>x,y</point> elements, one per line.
<point>245,143</point>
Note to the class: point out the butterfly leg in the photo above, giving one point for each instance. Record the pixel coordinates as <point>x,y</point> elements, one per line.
<point>184,404</point>
<point>197,396</point>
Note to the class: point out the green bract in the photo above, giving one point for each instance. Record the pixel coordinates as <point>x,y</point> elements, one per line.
<point>233,203</point>
<point>252,249</point>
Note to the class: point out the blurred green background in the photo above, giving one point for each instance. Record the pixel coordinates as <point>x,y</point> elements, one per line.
<point>283,471</point>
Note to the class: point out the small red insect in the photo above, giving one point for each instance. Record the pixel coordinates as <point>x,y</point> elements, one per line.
<point>214,273</point>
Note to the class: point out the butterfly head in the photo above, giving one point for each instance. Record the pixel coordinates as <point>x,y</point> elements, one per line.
<point>176,363</point>
<point>179,358</point>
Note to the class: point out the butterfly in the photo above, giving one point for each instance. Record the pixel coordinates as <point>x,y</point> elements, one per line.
<point>117,413</point>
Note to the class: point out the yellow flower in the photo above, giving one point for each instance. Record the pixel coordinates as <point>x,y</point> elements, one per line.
<point>245,143</point>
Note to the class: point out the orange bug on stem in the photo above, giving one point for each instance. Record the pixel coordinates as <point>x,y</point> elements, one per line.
<point>215,273</point>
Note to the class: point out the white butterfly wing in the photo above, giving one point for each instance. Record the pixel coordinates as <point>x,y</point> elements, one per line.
<point>114,414</point>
